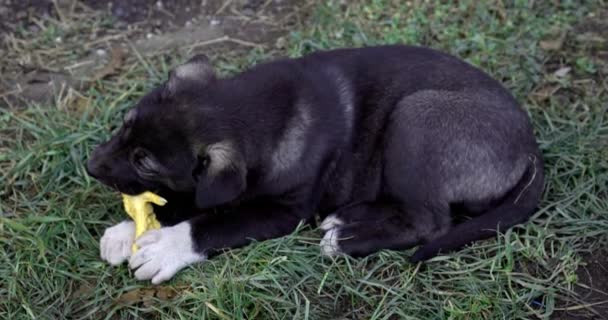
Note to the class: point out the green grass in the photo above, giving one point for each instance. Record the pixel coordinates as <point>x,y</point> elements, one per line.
<point>53,214</point>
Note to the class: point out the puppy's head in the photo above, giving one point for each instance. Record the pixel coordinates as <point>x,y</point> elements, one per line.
<point>175,139</point>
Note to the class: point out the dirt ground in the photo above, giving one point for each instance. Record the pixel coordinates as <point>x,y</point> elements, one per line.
<point>155,15</point>
<point>592,289</point>
<point>592,286</point>
<point>595,277</point>
<point>148,27</point>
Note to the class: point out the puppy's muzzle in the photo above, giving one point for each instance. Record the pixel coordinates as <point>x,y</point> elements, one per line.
<point>96,165</point>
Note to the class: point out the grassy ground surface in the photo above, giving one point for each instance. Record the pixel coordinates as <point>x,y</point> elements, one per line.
<point>551,54</point>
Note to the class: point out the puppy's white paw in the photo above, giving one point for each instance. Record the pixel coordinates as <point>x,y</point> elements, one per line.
<point>115,244</point>
<point>329,243</point>
<point>163,252</point>
<point>331,222</point>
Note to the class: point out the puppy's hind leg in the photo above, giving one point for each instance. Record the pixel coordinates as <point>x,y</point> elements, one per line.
<point>516,207</point>
<point>363,229</point>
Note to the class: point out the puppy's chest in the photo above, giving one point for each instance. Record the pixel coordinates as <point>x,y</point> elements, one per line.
<point>336,185</point>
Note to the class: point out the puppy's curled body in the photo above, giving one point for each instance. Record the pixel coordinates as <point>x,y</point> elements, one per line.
<point>399,145</point>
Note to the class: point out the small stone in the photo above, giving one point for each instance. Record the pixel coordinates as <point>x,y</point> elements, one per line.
<point>281,43</point>
<point>562,72</point>
<point>214,22</point>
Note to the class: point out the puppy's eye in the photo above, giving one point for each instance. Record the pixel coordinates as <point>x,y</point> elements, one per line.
<point>201,164</point>
<point>144,163</point>
<point>114,128</point>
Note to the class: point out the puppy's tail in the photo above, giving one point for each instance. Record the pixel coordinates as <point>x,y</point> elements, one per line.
<point>517,206</point>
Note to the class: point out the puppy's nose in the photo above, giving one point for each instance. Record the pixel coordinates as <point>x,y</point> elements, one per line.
<point>95,165</point>
<point>92,168</point>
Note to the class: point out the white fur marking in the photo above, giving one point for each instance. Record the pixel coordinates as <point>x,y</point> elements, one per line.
<point>329,243</point>
<point>330,222</point>
<point>533,159</point>
<point>291,146</point>
<point>130,116</point>
<point>221,155</point>
<point>115,244</point>
<point>346,97</point>
<point>164,252</point>
<point>191,70</point>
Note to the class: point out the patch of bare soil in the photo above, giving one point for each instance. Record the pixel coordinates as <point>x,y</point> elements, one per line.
<point>16,14</point>
<point>134,28</point>
<point>166,15</point>
<point>592,290</point>
<point>593,34</point>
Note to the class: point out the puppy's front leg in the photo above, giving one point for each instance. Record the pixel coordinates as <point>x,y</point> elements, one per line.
<point>165,251</point>
<point>115,244</point>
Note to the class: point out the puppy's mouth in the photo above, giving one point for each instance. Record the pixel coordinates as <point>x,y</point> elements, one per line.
<point>128,188</point>
<point>178,187</point>
<point>125,187</point>
<point>132,184</point>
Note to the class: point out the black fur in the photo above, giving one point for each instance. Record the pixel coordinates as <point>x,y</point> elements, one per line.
<point>391,139</point>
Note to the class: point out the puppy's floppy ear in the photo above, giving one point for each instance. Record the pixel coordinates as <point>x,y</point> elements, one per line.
<point>223,178</point>
<point>197,70</point>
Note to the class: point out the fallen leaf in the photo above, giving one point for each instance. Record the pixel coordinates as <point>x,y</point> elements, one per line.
<point>131,297</point>
<point>147,295</point>
<point>116,60</point>
<point>553,44</point>
<point>545,92</point>
<point>502,12</point>
<point>83,290</point>
<point>80,104</point>
<point>167,293</point>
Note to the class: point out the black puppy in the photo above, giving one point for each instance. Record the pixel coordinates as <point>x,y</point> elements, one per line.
<point>392,145</point>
